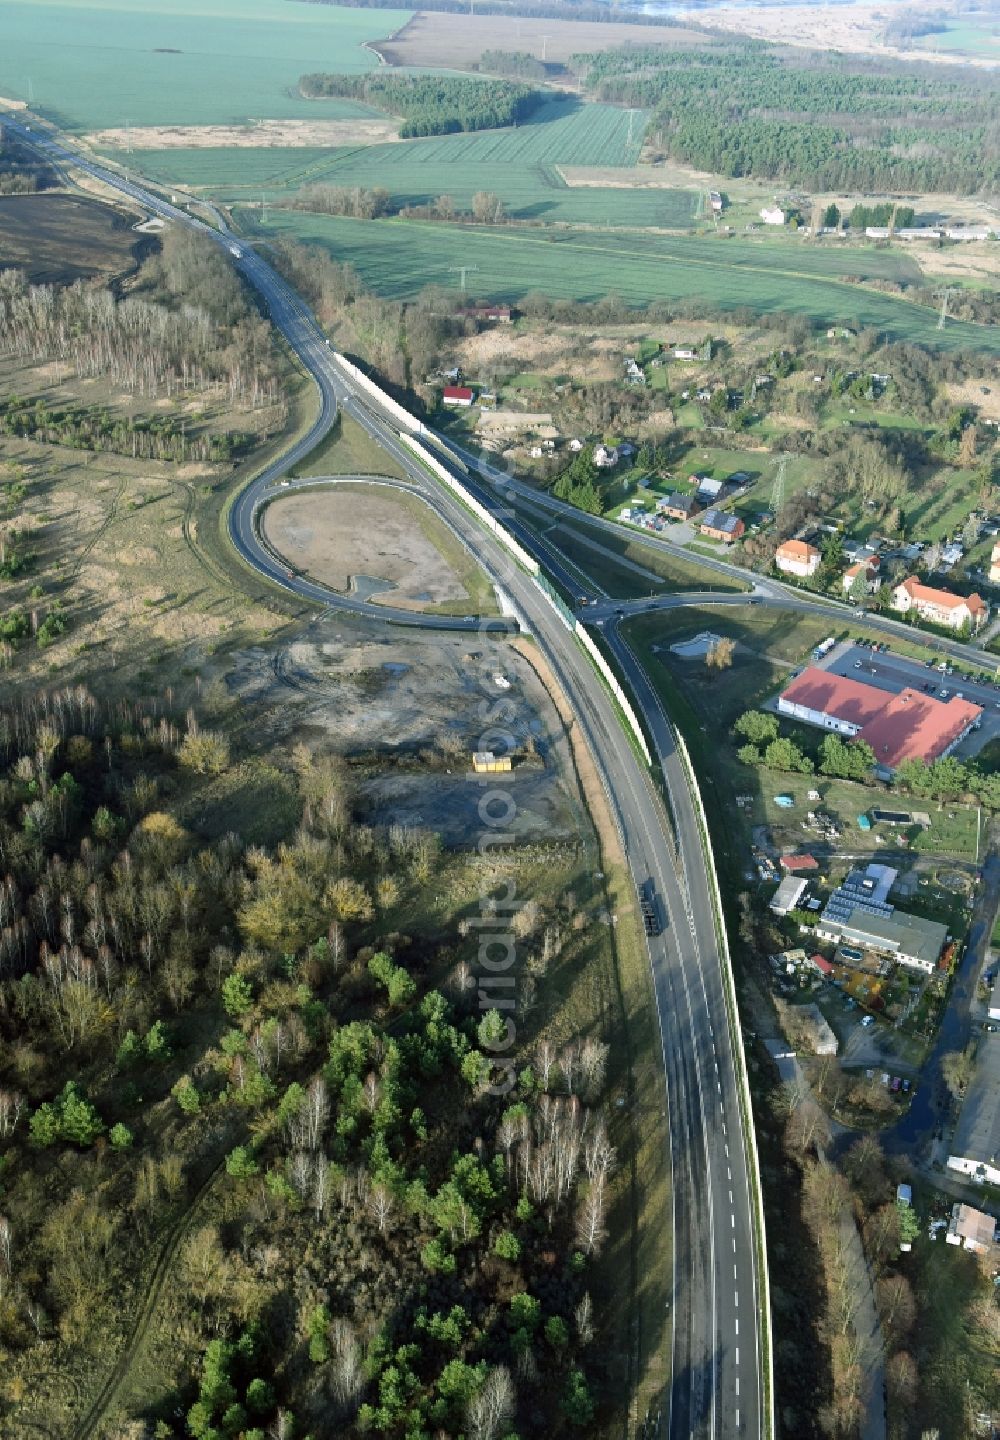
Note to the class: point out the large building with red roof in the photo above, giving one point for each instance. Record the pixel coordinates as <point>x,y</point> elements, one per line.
<point>940,607</point>
<point>907,726</point>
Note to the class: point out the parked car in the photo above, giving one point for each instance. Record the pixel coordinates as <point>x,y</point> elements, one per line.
<point>896,1085</point>
<point>868,1020</point>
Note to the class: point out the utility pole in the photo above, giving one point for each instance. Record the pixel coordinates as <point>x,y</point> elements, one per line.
<point>545,40</point>
<point>463,271</point>
<point>946,295</point>
<point>263,208</point>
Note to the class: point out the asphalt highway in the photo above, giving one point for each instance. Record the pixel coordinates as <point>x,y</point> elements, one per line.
<point>717,1386</point>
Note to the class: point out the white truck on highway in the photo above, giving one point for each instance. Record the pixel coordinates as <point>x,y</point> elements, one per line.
<point>236,251</point>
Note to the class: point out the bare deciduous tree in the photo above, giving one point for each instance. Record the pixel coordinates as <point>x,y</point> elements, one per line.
<point>492,1406</point>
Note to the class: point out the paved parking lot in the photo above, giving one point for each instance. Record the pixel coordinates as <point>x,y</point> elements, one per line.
<point>893,673</point>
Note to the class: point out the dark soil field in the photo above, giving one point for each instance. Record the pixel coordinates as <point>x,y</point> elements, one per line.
<point>57,239</point>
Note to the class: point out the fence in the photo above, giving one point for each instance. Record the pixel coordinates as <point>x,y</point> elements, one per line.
<point>408,421</point>
<point>478,509</point>
<point>615,688</point>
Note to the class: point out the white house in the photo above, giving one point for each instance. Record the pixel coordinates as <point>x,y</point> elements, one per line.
<point>940,607</point>
<point>605,457</point>
<point>795,557</point>
<point>971,1228</point>
<point>773,215</point>
<point>995,564</point>
<point>870,566</point>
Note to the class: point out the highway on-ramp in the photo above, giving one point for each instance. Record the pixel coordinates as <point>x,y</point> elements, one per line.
<point>719,1381</point>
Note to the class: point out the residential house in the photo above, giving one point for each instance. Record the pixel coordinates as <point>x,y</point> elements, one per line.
<point>796,557</point>
<point>709,491</point>
<point>918,232</point>
<point>968,232</point>
<point>715,201</point>
<point>719,525</point>
<point>633,373</point>
<point>971,1228</point>
<point>796,864</point>
<point>459,395</point>
<point>995,564</point>
<point>685,352</point>
<point>493,314</point>
<point>940,607</point>
<point>606,457</point>
<point>870,568</point>
<point>680,507</point>
<point>773,215</point>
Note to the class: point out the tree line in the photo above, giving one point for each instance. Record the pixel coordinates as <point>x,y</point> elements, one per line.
<point>94,428</point>
<point>431,105</point>
<point>748,109</point>
<point>514,64</point>
<point>946,778</point>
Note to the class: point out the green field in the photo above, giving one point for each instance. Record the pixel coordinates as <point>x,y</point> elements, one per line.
<point>519,164</point>
<point>974,35</point>
<point>397,258</point>
<point>97,63</point>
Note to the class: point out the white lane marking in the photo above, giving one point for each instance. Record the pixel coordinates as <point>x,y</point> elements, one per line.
<point>732,1221</point>
<point>736,1300</point>
<point>737,1356</point>
<point>737,1327</point>
<point>737,1387</point>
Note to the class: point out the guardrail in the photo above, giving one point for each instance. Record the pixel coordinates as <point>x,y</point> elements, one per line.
<point>743,1082</point>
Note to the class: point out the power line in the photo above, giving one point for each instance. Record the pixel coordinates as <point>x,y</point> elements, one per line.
<point>463,270</point>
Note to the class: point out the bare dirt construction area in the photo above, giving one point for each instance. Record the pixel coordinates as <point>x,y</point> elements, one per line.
<point>455,42</point>
<point>264,135</point>
<point>375,542</point>
<point>854,28</point>
<point>407,711</point>
<point>982,394</point>
<point>56,239</point>
<point>633,177</point>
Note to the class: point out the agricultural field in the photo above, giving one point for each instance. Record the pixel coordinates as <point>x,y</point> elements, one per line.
<point>397,258</point>
<point>521,165</point>
<point>171,62</point>
<point>56,239</point>
<point>435,39</point>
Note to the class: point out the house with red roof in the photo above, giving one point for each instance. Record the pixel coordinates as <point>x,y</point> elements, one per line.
<point>458,395</point>
<point>795,557</point>
<point>940,607</point>
<point>870,568</point>
<point>796,864</point>
<point>907,726</point>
